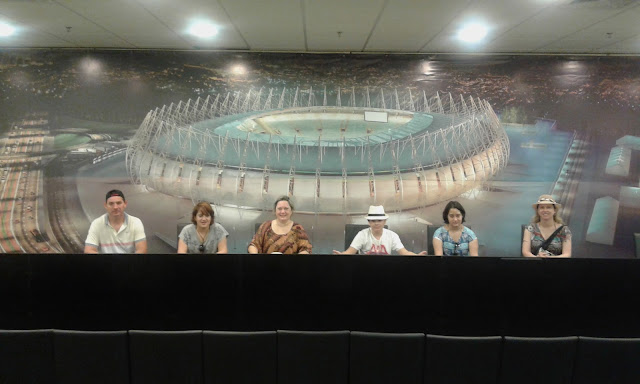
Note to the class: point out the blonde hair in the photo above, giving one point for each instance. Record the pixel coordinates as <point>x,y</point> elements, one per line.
<point>556,217</point>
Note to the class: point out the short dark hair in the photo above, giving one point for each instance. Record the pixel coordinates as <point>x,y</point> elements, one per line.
<point>449,206</point>
<point>115,192</point>
<point>205,209</point>
<point>283,198</point>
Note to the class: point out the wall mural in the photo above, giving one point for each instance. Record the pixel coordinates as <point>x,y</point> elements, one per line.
<point>336,133</point>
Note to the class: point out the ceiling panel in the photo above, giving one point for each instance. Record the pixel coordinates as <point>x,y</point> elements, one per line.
<point>604,33</point>
<point>410,26</point>
<point>347,30</point>
<point>268,25</point>
<point>175,17</point>
<point>125,20</point>
<point>515,26</point>
<point>558,23</point>
<point>625,47</point>
<point>504,20</point>
<point>49,21</point>
<point>34,39</point>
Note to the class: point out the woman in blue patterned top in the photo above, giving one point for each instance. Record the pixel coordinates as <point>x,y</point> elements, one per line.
<point>453,238</point>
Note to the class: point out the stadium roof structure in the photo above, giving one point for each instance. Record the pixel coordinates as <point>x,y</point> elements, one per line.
<point>317,134</point>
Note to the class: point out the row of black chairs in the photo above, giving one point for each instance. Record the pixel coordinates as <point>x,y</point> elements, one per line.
<point>294,357</point>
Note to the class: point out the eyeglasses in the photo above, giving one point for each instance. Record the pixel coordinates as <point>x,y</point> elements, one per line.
<point>375,221</point>
<point>455,248</point>
<point>201,248</point>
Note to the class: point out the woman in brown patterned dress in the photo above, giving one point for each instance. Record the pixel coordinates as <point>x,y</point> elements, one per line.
<point>281,235</point>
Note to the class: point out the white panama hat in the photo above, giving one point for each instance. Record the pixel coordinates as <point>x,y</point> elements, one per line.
<point>376,212</point>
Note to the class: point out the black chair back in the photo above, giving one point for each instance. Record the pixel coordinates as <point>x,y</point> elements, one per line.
<point>607,360</point>
<point>91,357</point>
<point>313,357</point>
<point>462,360</point>
<point>26,356</point>
<point>166,356</point>
<point>240,357</point>
<point>527,360</point>
<point>431,229</point>
<point>381,358</point>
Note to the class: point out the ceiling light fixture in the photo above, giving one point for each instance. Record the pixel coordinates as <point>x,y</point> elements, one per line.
<point>203,29</point>
<point>239,70</point>
<point>6,30</point>
<point>472,33</point>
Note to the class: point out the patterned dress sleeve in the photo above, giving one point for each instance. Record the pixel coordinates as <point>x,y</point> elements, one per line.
<point>258,238</point>
<point>469,234</point>
<point>534,243</point>
<point>302,239</point>
<point>557,243</point>
<point>438,234</point>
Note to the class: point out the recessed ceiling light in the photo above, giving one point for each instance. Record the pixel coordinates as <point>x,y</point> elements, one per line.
<point>203,29</point>
<point>6,30</point>
<point>472,33</point>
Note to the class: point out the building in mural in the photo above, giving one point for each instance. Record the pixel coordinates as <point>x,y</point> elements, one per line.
<point>334,151</point>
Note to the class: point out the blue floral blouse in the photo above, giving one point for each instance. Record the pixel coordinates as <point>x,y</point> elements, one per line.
<point>452,248</point>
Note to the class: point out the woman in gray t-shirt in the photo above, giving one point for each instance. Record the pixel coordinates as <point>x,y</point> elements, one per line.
<point>204,235</point>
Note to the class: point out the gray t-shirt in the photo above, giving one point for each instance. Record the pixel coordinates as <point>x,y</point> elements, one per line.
<point>191,238</point>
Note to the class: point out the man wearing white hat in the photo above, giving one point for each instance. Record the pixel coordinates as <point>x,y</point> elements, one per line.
<point>377,240</point>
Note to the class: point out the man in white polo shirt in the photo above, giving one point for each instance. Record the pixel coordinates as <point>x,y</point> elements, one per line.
<point>116,231</point>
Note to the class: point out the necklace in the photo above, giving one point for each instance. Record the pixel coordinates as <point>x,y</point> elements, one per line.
<point>201,236</point>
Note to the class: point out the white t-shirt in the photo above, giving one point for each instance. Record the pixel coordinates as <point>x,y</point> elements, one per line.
<point>366,244</point>
<point>102,235</point>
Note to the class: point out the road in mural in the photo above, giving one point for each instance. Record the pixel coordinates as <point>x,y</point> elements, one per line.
<point>335,132</point>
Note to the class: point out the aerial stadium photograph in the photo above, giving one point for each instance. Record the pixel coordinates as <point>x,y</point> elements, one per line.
<point>335,133</point>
